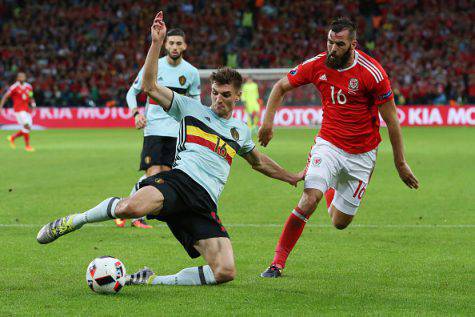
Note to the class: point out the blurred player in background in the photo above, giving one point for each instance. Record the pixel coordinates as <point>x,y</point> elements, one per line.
<point>250,97</point>
<point>354,88</point>
<point>186,196</point>
<point>21,93</point>
<point>160,130</point>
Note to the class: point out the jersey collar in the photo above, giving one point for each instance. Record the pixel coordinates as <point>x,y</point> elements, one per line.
<point>352,65</point>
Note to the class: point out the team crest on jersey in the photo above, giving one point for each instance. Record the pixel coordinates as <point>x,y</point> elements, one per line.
<point>316,161</point>
<point>159,181</point>
<point>148,160</point>
<point>182,80</point>
<point>235,134</point>
<point>353,84</point>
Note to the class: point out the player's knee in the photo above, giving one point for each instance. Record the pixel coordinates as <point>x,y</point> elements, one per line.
<point>224,273</point>
<point>155,169</point>
<point>340,225</point>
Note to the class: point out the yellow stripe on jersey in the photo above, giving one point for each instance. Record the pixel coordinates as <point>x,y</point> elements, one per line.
<point>195,131</point>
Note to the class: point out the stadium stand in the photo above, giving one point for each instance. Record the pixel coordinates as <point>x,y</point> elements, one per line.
<point>82,52</point>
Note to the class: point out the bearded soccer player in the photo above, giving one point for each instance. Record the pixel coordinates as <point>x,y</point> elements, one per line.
<point>354,89</point>
<point>160,130</point>
<point>21,93</point>
<point>186,196</point>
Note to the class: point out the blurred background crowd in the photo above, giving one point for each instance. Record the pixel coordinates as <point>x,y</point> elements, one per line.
<point>87,52</point>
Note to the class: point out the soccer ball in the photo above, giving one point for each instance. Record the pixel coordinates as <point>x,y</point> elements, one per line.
<point>106,275</point>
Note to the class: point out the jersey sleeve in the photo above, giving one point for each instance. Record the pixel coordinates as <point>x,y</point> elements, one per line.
<point>248,145</point>
<point>195,87</point>
<point>302,74</point>
<point>136,86</point>
<point>182,106</point>
<point>381,89</point>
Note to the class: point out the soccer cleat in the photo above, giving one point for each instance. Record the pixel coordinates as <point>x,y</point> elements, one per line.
<point>56,229</point>
<point>11,141</point>
<point>120,222</point>
<point>144,276</point>
<point>272,272</point>
<point>140,223</point>
<point>29,149</point>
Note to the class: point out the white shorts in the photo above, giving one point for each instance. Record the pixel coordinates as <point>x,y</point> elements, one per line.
<point>23,117</point>
<point>349,174</point>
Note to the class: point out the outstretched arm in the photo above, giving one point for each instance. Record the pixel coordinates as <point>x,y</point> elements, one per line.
<point>389,114</point>
<point>163,95</point>
<point>264,164</point>
<point>275,100</point>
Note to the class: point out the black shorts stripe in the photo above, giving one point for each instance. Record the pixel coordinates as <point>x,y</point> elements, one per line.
<point>109,206</point>
<point>181,91</point>
<point>202,275</point>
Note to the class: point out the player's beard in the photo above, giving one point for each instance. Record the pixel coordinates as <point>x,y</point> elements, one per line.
<point>338,62</point>
<point>174,57</point>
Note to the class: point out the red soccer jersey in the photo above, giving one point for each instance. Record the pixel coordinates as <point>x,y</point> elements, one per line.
<point>350,99</point>
<point>21,96</point>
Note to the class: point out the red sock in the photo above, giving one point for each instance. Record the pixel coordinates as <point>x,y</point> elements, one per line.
<point>329,196</point>
<point>18,134</point>
<point>292,230</point>
<point>26,136</point>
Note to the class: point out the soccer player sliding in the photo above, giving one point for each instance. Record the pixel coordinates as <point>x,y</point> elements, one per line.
<point>354,88</point>
<point>186,196</point>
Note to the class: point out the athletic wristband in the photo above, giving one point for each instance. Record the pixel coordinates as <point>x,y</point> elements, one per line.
<point>136,114</point>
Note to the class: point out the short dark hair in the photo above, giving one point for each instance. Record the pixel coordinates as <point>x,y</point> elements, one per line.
<point>227,75</point>
<point>176,32</point>
<point>343,23</point>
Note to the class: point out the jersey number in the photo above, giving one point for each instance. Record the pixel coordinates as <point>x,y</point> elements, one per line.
<point>220,148</point>
<point>340,96</point>
<point>360,191</point>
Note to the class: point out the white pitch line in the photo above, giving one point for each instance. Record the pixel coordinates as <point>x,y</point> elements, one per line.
<point>272,225</point>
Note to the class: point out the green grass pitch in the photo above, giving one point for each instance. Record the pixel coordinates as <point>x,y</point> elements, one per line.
<point>406,253</point>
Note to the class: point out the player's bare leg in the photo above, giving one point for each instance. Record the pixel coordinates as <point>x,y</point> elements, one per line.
<point>295,225</point>
<point>140,222</point>
<point>339,219</point>
<point>217,252</point>
<point>293,228</point>
<point>147,200</point>
<point>26,135</point>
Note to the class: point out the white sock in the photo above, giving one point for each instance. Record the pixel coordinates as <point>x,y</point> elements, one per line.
<point>102,212</point>
<point>135,189</point>
<point>201,275</point>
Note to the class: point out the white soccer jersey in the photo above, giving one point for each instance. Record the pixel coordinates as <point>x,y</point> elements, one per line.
<point>183,79</point>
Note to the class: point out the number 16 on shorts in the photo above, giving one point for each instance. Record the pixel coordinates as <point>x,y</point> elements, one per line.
<point>360,190</point>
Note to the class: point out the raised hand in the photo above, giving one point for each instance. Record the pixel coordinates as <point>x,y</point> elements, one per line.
<point>158,30</point>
